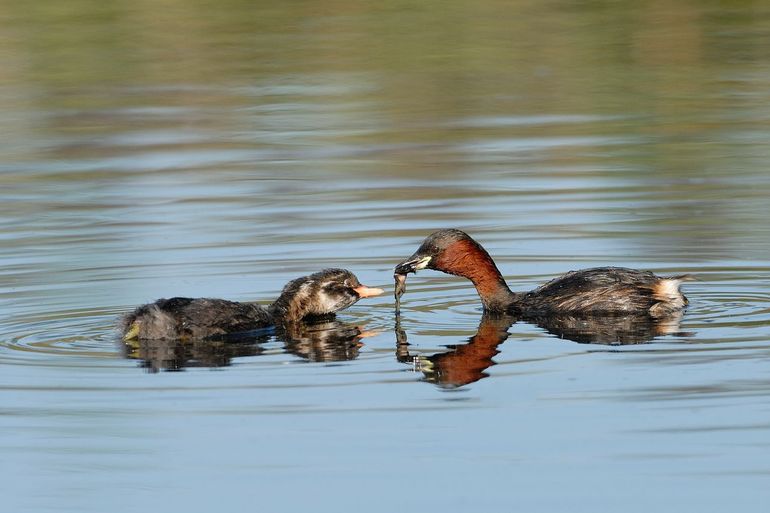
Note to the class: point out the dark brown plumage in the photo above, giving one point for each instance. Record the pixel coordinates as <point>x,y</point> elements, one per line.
<point>599,290</point>
<point>317,295</point>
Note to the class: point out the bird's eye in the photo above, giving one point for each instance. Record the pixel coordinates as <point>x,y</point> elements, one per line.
<point>347,283</point>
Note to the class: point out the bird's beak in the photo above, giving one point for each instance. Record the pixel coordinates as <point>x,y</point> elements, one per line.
<point>364,291</point>
<point>412,265</point>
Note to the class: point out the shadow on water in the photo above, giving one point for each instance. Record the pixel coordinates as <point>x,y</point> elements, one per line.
<point>466,363</point>
<point>322,341</point>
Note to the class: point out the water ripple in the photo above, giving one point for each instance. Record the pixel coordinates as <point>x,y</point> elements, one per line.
<point>79,332</point>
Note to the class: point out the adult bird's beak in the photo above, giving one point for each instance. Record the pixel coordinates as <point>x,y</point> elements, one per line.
<point>412,265</point>
<point>364,291</point>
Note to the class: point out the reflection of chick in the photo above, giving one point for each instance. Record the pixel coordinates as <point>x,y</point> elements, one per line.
<point>319,341</point>
<point>330,341</point>
<point>176,355</point>
<point>464,363</point>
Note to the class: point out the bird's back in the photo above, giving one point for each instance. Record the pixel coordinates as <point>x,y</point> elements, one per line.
<point>606,290</point>
<point>199,318</point>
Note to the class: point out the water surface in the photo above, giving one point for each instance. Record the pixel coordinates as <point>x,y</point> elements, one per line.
<point>222,150</point>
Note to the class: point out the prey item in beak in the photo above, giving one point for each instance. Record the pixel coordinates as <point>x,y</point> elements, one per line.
<point>364,291</point>
<point>399,289</point>
<point>412,265</point>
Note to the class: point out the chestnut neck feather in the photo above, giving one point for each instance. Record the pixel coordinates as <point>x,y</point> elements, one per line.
<point>468,259</point>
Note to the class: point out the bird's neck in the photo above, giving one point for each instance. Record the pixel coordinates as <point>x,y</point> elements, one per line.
<point>469,260</point>
<point>294,302</point>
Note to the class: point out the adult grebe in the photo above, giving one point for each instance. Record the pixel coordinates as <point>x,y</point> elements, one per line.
<point>614,290</point>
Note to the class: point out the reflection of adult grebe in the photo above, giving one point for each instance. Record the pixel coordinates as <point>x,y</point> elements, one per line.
<point>317,295</point>
<point>463,363</point>
<point>609,329</point>
<point>466,363</point>
<point>600,290</point>
<point>318,341</point>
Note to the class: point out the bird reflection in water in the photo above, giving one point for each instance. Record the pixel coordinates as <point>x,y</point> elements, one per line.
<point>330,341</point>
<point>463,363</point>
<point>466,363</point>
<point>612,330</point>
<point>318,341</point>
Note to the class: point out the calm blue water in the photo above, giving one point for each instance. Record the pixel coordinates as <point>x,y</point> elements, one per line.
<point>223,150</point>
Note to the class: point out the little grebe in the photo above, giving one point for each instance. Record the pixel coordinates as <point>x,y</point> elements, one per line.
<point>614,290</point>
<point>317,295</point>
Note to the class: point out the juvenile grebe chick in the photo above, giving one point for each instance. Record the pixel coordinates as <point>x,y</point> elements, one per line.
<point>319,294</point>
<point>614,290</point>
